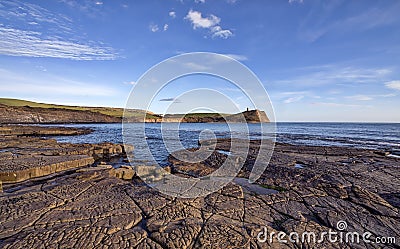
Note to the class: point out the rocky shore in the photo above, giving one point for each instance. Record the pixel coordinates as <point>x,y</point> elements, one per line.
<point>89,204</point>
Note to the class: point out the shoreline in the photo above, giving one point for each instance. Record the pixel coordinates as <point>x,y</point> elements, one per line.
<point>317,140</point>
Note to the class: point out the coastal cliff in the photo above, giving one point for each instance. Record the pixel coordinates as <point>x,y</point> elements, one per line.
<point>251,116</point>
<point>32,115</point>
<point>14,111</point>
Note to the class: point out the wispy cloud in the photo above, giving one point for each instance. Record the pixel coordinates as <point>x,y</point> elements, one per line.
<point>333,104</point>
<point>88,7</point>
<point>334,75</point>
<point>47,35</point>
<point>196,66</point>
<point>165,27</point>
<point>210,22</point>
<point>199,1</point>
<point>238,57</point>
<point>395,84</point>
<point>359,97</point>
<point>295,1</point>
<point>293,99</point>
<point>295,93</point>
<point>17,42</point>
<point>320,20</point>
<point>153,27</point>
<point>18,13</point>
<point>362,97</point>
<point>293,96</point>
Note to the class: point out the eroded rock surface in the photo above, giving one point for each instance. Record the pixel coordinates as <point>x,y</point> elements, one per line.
<point>90,209</point>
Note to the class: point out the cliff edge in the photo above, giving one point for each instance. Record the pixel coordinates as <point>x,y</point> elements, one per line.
<point>13,111</point>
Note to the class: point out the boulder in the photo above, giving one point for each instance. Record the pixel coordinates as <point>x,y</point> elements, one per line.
<point>152,173</point>
<point>124,172</point>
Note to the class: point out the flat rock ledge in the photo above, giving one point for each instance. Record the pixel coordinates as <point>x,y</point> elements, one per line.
<point>23,130</point>
<point>25,157</point>
<point>315,188</point>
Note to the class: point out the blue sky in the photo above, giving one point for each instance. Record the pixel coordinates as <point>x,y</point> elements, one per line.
<point>318,60</point>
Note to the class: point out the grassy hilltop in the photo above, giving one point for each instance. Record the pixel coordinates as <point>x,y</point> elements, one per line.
<point>110,111</point>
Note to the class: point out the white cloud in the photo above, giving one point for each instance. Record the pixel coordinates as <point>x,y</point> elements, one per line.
<point>295,1</point>
<point>165,27</point>
<point>17,42</point>
<point>202,22</point>
<point>219,32</point>
<point>210,22</point>
<point>360,97</point>
<point>172,14</point>
<point>99,3</point>
<point>153,27</point>
<point>238,57</point>
<point>293,99</point>
<point>395,84</point>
